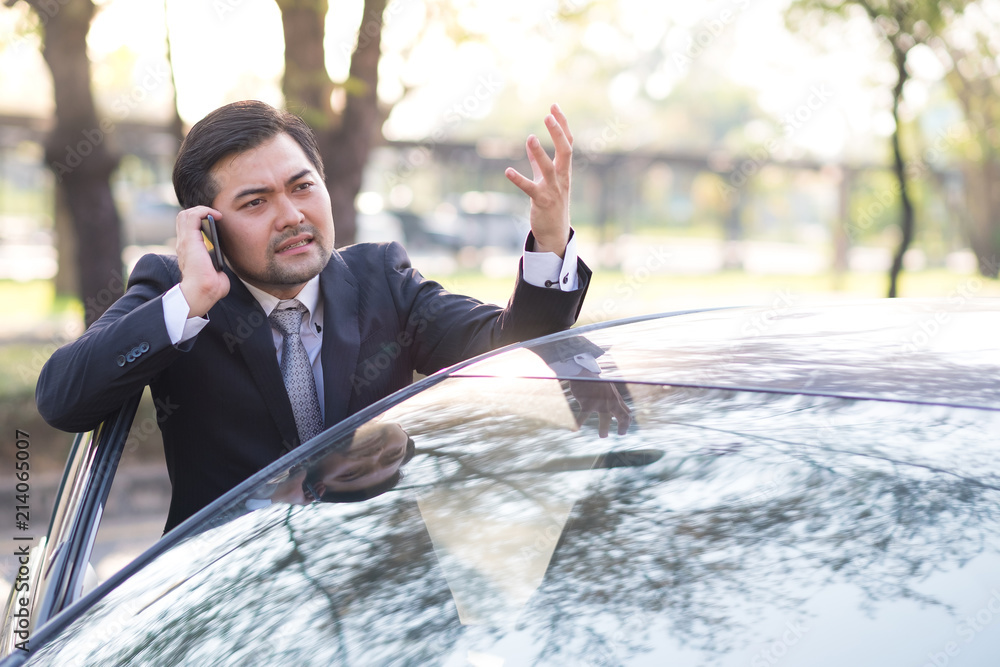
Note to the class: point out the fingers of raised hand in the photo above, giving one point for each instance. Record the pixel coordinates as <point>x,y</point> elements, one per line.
<point>541,169</point>
<point>541,163</point>
<point>562,139</point>
<point>563,123</point>
<point>523,182</point>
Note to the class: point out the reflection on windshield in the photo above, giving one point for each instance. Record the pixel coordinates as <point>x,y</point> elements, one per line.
<point>832,349</point>
<point>577,361</point>
<point>368,465</point>
<point>725,525</point>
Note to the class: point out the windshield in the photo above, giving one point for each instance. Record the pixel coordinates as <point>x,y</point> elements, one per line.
<point>493,526</point>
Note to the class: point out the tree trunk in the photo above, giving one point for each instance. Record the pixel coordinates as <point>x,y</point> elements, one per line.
<point>306,84</point>
<point>842,228</point>
<point>78,154</point>
<point>346,140</point>
<point>67,278</point>
<point>176,124</point>
<point>978,99</point>
<point>982,196</point>
<point>353,140</point>
<point>989,258</point>
<point>906,221</point>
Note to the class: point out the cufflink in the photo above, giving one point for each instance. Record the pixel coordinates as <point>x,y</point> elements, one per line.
<point>587,362</point>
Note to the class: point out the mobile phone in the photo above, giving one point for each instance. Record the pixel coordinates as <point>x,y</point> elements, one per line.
<point>210,234</point>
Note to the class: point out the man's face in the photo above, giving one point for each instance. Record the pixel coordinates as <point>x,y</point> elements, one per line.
<point>277,224</point>
<point>376,453</point>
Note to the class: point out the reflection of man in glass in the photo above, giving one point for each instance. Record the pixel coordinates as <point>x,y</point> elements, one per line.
<point>575,359</point>
<point>369,467</point>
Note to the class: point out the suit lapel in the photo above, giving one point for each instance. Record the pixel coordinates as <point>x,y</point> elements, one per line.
<point>251,330</point>
<point>341,337</point>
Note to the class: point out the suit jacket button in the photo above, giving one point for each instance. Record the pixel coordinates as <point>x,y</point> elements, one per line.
<point>121,360</point>
<point>144,347</point>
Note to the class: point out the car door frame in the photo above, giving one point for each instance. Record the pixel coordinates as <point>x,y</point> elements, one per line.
<point>53,578</point>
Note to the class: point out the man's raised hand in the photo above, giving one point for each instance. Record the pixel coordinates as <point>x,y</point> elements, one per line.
<point>549,187</point>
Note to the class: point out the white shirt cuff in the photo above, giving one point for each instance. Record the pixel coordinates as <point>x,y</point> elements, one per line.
<point>572,367</point>
<point>546,269</point>
<point>180,327</point>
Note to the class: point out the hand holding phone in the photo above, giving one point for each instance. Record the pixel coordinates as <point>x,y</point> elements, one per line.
<point>210,234</point>
<point>199,258</point>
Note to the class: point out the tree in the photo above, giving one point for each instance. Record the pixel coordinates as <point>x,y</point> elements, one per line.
<point>78,155</point>
<point>176,123</point>
<point>345,137</point>
<point>901,25</point>
<point>970,47</point>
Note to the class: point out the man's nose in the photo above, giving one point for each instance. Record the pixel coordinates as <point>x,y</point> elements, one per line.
<point>287,213</point>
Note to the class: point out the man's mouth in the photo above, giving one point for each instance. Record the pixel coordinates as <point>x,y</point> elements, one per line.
<point>293,244</point>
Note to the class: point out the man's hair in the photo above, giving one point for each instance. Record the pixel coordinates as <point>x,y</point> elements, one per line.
<point>230,130</point>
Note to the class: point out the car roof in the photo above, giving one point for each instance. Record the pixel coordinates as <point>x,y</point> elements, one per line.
<point>933,351</point>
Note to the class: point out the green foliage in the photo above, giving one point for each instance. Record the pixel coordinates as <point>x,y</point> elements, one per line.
<point>899,21</point>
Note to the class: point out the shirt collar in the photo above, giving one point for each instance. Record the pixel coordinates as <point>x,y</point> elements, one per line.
<point>308,296</point>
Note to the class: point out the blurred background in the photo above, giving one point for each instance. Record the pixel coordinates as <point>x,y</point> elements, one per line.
<point>769,152</point>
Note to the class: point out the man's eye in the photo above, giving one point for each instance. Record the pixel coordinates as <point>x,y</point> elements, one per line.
<point>303,186</point>
<point>392,457</point>
<point>350,475</point>
<point>253,202</point>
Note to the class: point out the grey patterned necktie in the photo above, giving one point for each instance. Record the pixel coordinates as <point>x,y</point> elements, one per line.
<point>296,369</point>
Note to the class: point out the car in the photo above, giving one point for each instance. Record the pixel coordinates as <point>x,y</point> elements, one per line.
<point>798,484</point>
<point>413,231</point>
<point>149,215</point>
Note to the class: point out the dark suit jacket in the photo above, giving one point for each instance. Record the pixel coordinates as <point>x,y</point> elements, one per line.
<point>221,403</point>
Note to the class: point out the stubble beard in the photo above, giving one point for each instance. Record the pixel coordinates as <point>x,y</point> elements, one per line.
<point>277,272</point>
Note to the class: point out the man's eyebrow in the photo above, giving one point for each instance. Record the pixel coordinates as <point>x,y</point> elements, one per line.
<point>251,191</point>
<point>262,189</point>
<point>298,176</point>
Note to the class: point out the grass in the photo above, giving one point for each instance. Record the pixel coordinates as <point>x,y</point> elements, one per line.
<point>35,300</point>
<point>19,368</point>
<point>614,294</point>
<point>32,314</point>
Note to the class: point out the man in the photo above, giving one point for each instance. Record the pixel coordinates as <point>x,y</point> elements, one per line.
<point>292,336</point>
